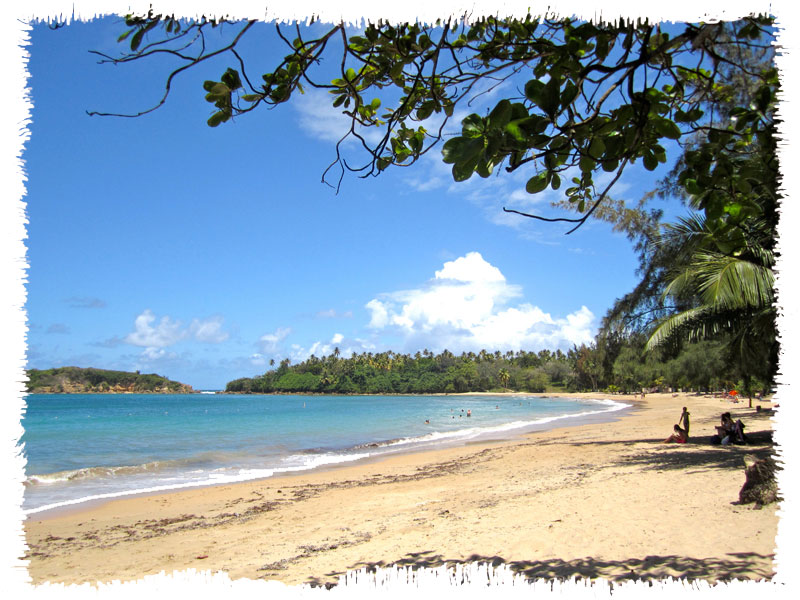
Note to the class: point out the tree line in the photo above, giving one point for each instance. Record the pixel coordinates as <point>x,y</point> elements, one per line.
<point>610,365</point>
<point>91,380</point>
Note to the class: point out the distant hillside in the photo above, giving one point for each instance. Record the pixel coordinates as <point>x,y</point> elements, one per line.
<point>76,380</point>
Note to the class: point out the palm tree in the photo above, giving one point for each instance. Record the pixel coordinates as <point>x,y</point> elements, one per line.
<point>504,376</point>
<point>726,285</point>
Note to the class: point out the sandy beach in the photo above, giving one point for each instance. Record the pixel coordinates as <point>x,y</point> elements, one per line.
<point>595,501</point>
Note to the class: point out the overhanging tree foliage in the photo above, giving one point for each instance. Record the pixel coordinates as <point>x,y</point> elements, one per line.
<point>588,98</point>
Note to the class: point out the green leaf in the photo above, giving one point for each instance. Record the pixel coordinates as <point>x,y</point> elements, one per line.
<point>136,40</point>
<point>463,170</point>
<point>691,187</point>
<point>500,115</point>
<point>231,79</point>
<point>537,183</point>
<point>217,118</point>
<point>555,181</point>
<point>587,164</point>
<point>513,129</point>
<point>533,90</point>
<point>472,126</point>
<point>460,149</point>
<point>551,97</point>
<point>610,165</point>
<point>569,94</point>
<point>597,147</point>
<point>424,111</point>
<point>667,129</point>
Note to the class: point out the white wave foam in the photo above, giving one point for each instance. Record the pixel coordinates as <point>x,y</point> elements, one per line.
<point>473,432</point>
<point>217,477</point>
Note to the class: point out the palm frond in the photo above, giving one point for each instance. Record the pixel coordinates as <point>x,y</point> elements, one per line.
<point>730,283</point>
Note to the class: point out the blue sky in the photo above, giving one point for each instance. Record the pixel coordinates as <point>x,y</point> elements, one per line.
<point>163,245</point>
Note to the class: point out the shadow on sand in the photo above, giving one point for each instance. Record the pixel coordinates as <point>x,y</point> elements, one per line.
<point>740,565</point>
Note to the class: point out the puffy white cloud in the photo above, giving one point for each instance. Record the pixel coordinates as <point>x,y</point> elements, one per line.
<point>165,333</point>
<point>154,335</point>
<point>470,268</point>
<point>467,306</point>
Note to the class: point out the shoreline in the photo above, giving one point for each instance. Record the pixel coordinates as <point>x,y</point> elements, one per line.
<point>380,451</point>
<point>535,503</point>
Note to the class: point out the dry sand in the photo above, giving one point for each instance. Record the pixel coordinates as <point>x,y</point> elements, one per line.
<point>607,501</point>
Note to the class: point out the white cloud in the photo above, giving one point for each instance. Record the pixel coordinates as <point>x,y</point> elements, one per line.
<point>166,333</point>
<point>269,342</point>
<point>470,268</point>
<point>155,354</point>
<point>154,336</point>
<point>466,306</point>
<point>258,360</point>
<point>318,118</point>
<point>319,349</point>
<point>332,313</point>
<point>208,330</point>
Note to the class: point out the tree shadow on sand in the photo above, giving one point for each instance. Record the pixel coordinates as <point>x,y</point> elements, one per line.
<point>738,566</point>
<point>699,452</point>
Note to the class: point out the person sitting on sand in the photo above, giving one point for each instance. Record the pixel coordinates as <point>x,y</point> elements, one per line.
<point>678,437</point>
<point>729,432</point>
<point>726,426</point>
<point>684,420</point>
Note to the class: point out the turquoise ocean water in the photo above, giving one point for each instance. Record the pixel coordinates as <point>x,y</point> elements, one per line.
<point>94,446</point>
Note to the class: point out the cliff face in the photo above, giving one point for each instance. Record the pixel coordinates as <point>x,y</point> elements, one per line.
<point>75,380</point>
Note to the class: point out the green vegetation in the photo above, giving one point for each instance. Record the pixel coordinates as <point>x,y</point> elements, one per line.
<point>619,367</point>
<point>79,380</point>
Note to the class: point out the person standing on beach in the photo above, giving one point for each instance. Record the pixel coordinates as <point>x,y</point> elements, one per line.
<point>684,420</point>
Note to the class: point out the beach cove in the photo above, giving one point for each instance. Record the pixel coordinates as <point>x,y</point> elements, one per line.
<point>605,500</point>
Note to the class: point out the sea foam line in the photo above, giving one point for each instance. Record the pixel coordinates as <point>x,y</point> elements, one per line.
<point>211,479</point>
<point>470,433</point>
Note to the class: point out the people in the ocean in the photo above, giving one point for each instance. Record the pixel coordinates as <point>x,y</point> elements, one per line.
<point>469,413</point>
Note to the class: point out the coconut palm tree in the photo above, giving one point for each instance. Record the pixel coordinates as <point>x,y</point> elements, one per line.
<point>503,375</point>
<point>726,285</point>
